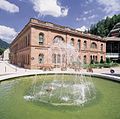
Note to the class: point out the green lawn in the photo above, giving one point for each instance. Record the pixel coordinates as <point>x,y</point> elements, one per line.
<point>13,106</point>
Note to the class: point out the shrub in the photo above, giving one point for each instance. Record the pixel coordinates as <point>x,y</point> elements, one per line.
<point>108,60</point>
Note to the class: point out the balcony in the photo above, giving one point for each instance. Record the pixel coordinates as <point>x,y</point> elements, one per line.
<point>112,55</point>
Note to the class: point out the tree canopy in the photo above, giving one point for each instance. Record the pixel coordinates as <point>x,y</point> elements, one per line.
<point>103,27</point>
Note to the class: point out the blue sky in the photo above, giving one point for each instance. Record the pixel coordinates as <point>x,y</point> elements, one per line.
<point>78,14</point>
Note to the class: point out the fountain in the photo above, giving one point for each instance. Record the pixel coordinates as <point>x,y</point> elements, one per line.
<point>62,91</point>
<point>77,90</point>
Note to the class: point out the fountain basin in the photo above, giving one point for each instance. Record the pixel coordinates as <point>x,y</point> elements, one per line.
<point>14,106</point>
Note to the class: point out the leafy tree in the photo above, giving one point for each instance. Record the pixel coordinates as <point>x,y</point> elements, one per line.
<point>103,27</point>
<point>1,51</point>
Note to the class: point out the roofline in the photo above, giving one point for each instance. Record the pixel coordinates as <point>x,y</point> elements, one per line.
<point>66,29</point>
<point>20,33</point>
<point>48,25</point>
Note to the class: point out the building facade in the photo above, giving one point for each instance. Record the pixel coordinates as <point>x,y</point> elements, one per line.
<point>115,32</point>
<point>30,49</point>
<point>113,44</point>
<point>6,55</point>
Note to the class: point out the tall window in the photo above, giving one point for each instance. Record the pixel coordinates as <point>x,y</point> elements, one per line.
<point>54,58</point>
<point>41,58</point>
<point>93,45</point>
<point>28,39</point>
<point>91,58</point>
<point>84,60</point>
<point>78,45</point>
<point>41,38</point>
<point>101,47</point>
<point>96,59</point>
<point>58,58</point>
<point>72,41</point>
<point>63,58</point>
<point>85,45</point>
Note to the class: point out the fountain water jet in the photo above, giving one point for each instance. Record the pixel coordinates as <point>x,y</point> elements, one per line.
<point>77,90</point>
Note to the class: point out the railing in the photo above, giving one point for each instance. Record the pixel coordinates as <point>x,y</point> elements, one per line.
<point>112,55</point>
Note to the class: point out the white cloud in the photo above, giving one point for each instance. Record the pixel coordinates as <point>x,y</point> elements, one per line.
<point>51,7</point>
<point>92,16</point>
<point>84,18</point>
<point>81,19</point>
<point>88,1</point>
<point>78,19</point>
<point>110,6</point>
<point>9,7</point>
<point>87,12</point>
<point>83,28</point>
<point>7,33</point>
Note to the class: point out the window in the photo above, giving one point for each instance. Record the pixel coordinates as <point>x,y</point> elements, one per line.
<point>28,39</point>
<point>84,60</point>
<point>96,59</point>
<point>85,45</point>
<point>101,60</point>
<point>58,58</point>
<point>28,60</point>
<point>63,58</point>
<point>91,58</point>
<point>41,38</point>
<point>72,41</point>
<point>78,45</point>
<point>41,58</point>
<point>54,58</point>
<point>93,45</point>
<point>58,39</point>
<point>101,47</point>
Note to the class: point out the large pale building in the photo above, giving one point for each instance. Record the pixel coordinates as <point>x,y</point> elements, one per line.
<point>30,49</point>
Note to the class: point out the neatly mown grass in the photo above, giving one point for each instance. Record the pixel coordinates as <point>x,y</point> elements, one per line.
<point>13,105</point>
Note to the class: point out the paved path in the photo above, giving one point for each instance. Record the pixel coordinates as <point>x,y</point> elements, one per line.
<point>8,71</point>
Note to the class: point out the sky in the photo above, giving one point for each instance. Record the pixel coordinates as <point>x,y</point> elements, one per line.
<point>77,14</point>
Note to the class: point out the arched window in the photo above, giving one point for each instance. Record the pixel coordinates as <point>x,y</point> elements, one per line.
<point>85,45</point>
<point>58,39</point>
<point>78,45</point>
<point>96,59</point>
<point>41,58</point>
<point>101,47</point>
<point>72,41</point>
<point>41,38</point>
<point>54,58</point>
<point>91,58</point>
<point>84,60</point>
<point>93,45</point>
<point>63,58</point>
<point>58,58</point>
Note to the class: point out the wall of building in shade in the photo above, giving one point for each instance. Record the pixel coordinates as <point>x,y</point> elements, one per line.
<point>30,48</point>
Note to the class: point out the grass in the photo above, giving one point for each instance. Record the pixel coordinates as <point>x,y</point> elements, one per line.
<point>13,106</point>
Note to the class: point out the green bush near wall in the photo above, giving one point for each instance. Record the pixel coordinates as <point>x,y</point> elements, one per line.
<point>101,65</point>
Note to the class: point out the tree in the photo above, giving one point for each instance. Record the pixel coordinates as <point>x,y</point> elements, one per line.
<point>103,27</point>
<point>1,51</point>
